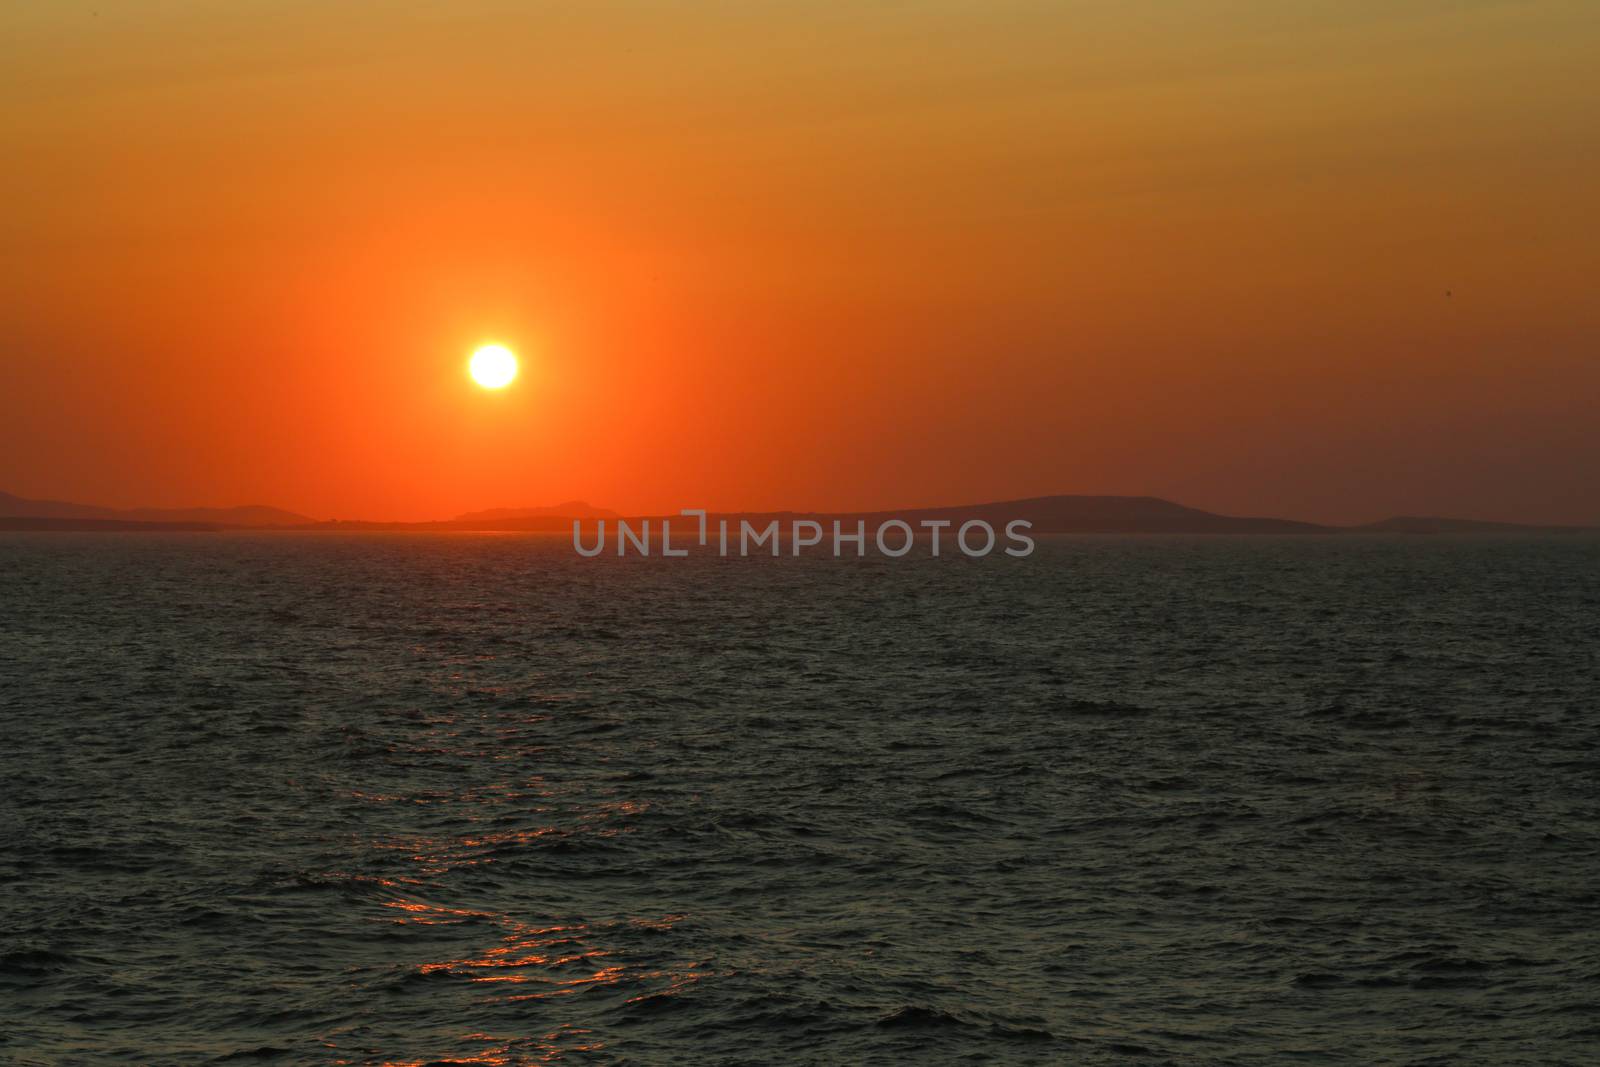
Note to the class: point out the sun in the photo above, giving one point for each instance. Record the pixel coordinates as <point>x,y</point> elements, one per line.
<point>493,366</point>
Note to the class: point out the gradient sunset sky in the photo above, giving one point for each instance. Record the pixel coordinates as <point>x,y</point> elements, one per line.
<point>1326,259</point>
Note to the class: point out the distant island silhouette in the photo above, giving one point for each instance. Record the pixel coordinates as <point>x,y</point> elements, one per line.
<point>252,516</point>
<point>572,509</point>
<point>1048,514</point>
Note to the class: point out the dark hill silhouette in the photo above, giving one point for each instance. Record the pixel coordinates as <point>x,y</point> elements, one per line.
<point>1048,514</point>
<point>1105,514</point>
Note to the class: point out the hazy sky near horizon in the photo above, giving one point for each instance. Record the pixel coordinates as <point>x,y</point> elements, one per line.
<point>1330,259</point>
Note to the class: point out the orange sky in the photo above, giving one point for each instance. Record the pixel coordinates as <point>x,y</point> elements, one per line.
<point>811,255</point>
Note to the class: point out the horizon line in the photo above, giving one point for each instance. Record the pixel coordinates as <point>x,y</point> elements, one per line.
<point>553,512</point>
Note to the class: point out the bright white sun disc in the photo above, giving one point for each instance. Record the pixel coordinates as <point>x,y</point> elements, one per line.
<point>493,366</point>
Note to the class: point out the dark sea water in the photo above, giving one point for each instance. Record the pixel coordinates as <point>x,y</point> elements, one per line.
<point>471,799</point>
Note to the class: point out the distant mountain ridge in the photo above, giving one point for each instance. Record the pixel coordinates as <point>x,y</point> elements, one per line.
<point>1048,514</point>
<point>1103,514</point>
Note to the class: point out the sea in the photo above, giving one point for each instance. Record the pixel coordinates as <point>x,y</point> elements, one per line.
<point>407,799</point>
